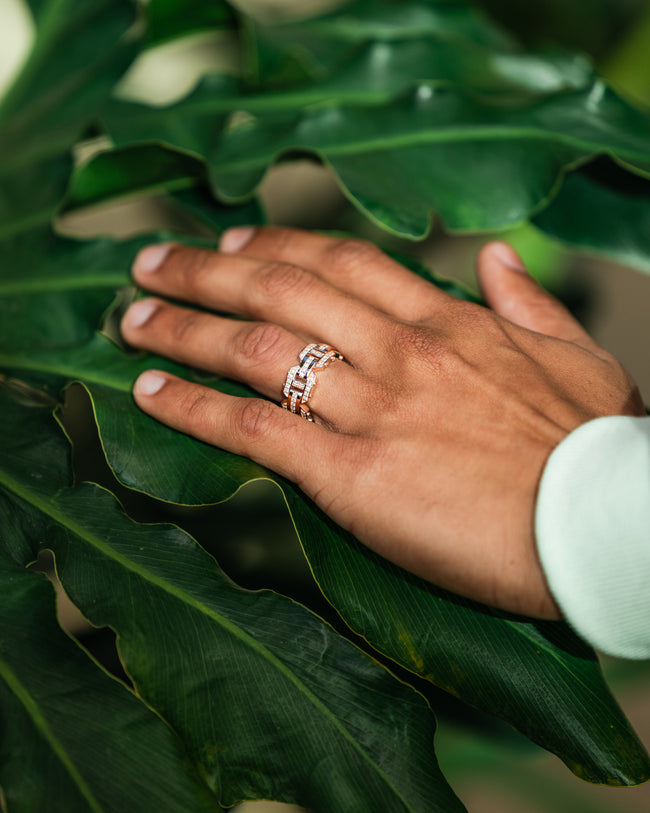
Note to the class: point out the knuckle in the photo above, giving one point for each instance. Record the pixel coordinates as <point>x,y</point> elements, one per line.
<point>183,324</point>
<point>194,408</point>
<point>259,343</point>
<point>194,266</point>
<point>254,419</point>
<point>350,254</point>
<point>278,280</point>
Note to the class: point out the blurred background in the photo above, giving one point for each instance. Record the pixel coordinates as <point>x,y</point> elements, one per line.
<point>490,767</point>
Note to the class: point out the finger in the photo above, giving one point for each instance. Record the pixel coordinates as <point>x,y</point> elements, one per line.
<point>512,293</point>
<point>269,291</point>
<point>355,266</point>
<point>251,427</point>
<point>256,353</point>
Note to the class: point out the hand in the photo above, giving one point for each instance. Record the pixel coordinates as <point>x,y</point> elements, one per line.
<point>431,436</point>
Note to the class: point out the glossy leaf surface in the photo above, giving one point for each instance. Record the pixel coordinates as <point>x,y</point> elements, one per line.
<point>269,701</point>
<point>419,108</point>
<point>478,163</point>
<point>396,43</point>
<point>153,170</point>
<point>73,738</point>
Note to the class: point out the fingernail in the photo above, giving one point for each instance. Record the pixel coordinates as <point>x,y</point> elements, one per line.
<point>149,383</point>
<point>509,257</point>
<point>234,240</point>
<point>140,312</point>
<point>151,258</point>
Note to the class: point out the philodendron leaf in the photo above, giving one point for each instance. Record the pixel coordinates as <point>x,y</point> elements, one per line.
<point>478,161</point>
<point>73,738</point>
<point>170,19</point>
<point>538,677</point>
<point>602,209</point>
<point>268,700</point>
<point>152,169</point>
<point>400,42</point>
<point>53,291</point>
<point>479,164</point>
<point>78,55</point>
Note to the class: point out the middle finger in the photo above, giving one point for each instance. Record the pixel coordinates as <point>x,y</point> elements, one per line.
<point>256,353</point>
<point>271,291</point>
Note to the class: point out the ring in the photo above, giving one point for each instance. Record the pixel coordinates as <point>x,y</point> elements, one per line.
<point>301,379</point>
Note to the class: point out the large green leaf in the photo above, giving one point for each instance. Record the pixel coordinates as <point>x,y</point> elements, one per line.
<point>53,291</point>
<point>171,19</point>
<point>393,43</point>
<point>602,209</point>
<point>539,677</point>
<point>149,170</point>
<point>479,164</point>
<point>79,53</point>
<point>269,701</point>
<point>73,738</point>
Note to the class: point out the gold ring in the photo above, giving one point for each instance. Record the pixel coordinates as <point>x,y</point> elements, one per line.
<point>301,379</point>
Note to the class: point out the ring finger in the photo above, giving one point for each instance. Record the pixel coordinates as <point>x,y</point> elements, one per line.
<point>256,353</point>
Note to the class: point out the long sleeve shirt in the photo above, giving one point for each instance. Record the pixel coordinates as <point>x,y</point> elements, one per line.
<point>592,526</point>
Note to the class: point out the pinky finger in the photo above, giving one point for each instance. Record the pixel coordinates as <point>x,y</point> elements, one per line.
<point>251,427</point>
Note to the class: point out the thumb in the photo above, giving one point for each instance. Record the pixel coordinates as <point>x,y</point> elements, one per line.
<point>510,291</point>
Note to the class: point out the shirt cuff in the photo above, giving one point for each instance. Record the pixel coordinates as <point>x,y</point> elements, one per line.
<point>592,525</point>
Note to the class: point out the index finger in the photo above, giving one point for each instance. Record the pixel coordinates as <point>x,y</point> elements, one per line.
<point>355,266</point>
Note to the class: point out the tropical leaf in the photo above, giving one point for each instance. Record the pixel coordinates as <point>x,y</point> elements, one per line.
<point>496,662</point>
<point>479,164</point>
<point>171,19</point>
<point>53,291</point>
<point>393,44</point>
<point>602,209</point>
<point>138,171</point>
<point>79,52</point>
<point>269,701</point>
<point>73,738</point>
<point>479,161</point>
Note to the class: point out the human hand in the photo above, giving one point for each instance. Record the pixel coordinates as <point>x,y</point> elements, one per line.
<point>430,438</point>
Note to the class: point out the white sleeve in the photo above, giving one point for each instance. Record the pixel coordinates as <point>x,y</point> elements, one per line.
<point>592,525</point>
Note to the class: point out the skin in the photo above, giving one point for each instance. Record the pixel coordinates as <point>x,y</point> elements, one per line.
<point>430,438</point>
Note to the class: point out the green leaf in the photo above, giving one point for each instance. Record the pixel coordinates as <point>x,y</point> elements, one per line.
<point>54,291</point>
<point>269,701</point>
<point>479,164</point>
<point>391,45</point>
<point>78,55</point>
<point>171,19</point>
<point>132,172</point>
<point>602,209</point>
<point>73,738</point>
<point>538,677</point>
<point>149,170</point>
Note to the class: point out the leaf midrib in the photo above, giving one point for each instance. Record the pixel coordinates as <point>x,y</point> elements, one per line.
<point>456,136</point>
<point>71,372</point>
<point>31,707</point>
<point>48,508</point>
